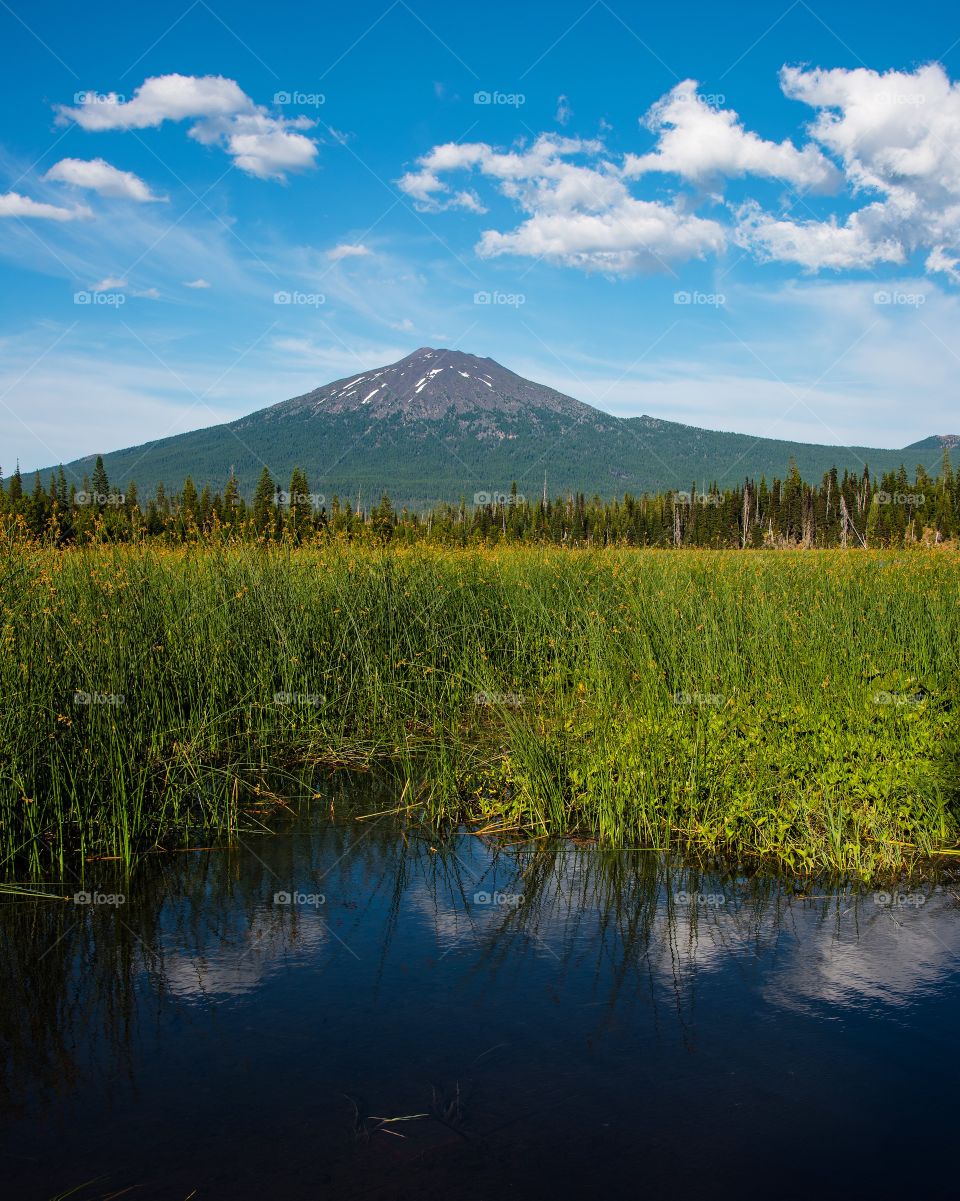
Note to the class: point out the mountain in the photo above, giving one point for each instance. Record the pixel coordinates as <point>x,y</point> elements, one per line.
<point>441,424</point>
<point>939,442</point>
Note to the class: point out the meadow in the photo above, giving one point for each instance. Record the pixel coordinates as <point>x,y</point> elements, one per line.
<point>793,708</point>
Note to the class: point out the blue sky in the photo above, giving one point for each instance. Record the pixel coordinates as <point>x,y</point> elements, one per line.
<point>742,217</point>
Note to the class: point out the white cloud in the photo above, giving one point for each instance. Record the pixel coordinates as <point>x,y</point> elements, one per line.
<point>162,98</point>
<point>260,144</point>
<point>348,250</point>
<point>895,134</point>
<point>432,195</point>
<point>860,241</point>
<point>580,213</point>
<point>702,142</point>
<point>885,141</point>
<point>196,283</point>
<point>148,293</point>
<point>110,284</point>
<point>12,204</point>
<point>628,236</point>
<point>564,111</point>
<point>939,261</point>
<point>891,130</point>
<point>264,146</point>
<point>99,176</point>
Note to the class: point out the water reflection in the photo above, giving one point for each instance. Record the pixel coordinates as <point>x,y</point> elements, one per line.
<point>410,974</point>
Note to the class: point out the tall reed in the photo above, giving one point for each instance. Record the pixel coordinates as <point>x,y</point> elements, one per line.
<point>799,706</point>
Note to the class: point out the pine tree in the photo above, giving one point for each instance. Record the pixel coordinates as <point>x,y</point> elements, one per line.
<point>231,501</point>
<point>188,504</point>
<point>16,486</point>
<point>263,499</point>
<point>382,518</point>
<point>100,485</point>
<point>38,507</point>
<point>300,512</point>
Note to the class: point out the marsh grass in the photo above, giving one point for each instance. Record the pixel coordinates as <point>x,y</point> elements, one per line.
<point>721,701</point>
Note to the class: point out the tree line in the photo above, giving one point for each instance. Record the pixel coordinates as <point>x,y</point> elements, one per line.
<point>840,511</point>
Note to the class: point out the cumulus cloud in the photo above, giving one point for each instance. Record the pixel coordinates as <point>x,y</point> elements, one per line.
<point>631,235</point>
<point>883,141</point>
<point>196,283</point>
<point>891,130</point>
<point>894,133</point>
<point>703,143</point>
<point>580,212</point>
<point>860,241</point>
<point>12,204</point>
<point>99,176</point>
<point>259,143</point>
<point>162,98</point>
<point>110,284</point>
<point>347,250</point>
<point>264,146</point>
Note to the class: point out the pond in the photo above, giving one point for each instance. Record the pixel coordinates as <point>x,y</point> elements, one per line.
<point>348,1009</point>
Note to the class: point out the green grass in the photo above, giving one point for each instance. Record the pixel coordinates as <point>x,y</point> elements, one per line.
<point>777,747</point>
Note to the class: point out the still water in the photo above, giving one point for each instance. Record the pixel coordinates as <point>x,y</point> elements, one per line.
<point>344,1010</point>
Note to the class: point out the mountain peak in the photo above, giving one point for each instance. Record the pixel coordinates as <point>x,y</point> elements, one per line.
<point>936,441</point>
<point>432,383</point>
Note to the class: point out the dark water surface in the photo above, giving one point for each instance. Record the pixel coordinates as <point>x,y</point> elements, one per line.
<point>628,1028</point>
